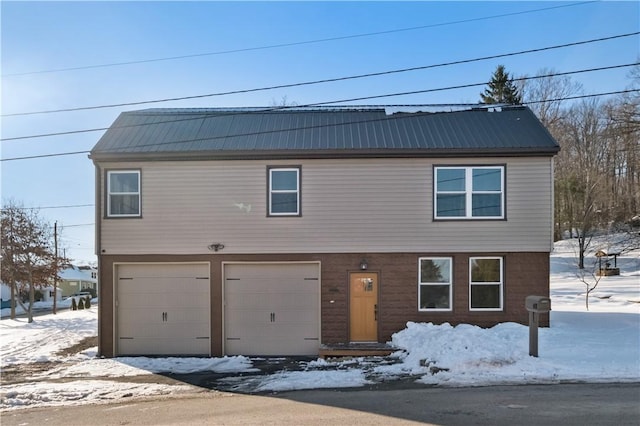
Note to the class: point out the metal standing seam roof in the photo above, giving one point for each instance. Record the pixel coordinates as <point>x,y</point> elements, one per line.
<point>308,133</point>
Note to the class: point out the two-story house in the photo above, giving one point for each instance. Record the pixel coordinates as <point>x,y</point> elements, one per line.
<point>272,232</point>
<point>73,279</point>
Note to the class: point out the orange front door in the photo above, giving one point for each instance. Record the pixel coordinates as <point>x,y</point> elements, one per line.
<point>363,307</point>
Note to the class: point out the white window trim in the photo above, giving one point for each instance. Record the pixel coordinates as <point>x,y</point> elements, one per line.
<point>500,284</point>
<point>450,283</point>
<point>284,191</point>
<point>468,192</point>
<point>109,193</point>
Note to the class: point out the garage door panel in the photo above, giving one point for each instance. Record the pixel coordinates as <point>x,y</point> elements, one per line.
<point>260,270</point>
<point>195,330</point>
<point>178,346</point>
<point>305,301</point>
<point>295,316</point>
<point>246,301</point>
<point>143,330</point>
<point>247,318</point>
<point>274,347</point>
<point>143,300</point>
<point>200,301</point>
<point>142,316</point>
<point>164,285</point>
<point>189,315</point>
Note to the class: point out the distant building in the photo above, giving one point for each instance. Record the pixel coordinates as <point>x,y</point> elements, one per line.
<point>45,291</point>
<point>5,295</point>
<point>74,279</point>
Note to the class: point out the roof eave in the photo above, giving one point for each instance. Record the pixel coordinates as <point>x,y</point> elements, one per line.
<point>321,154</point>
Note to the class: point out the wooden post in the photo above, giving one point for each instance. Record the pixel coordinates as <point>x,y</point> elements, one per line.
<point>533,333</point>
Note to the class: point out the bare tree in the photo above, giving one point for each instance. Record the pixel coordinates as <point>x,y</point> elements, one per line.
<point>579,181</point>
<point>545,96</point>
<point>28,259</point>
<point>283,102</point>
<point>623,168</point>
<point>590,278</point>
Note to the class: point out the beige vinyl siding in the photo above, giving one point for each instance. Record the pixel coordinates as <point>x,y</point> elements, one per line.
<point>372,205</point>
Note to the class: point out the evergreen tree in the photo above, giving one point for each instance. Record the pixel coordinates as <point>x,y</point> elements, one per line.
<point>501,90</point>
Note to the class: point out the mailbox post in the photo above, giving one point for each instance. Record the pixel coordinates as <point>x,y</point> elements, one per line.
<point>535,305</point>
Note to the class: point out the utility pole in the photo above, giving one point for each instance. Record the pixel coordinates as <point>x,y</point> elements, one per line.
<point>55,277</point>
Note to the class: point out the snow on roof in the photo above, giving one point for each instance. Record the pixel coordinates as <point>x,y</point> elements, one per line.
<point>73,273</point>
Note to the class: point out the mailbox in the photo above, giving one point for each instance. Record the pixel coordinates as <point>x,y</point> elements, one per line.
<point>539,304</point>
<point>536,305</point>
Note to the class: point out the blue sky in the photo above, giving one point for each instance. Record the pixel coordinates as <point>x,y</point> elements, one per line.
<point>45,36</point>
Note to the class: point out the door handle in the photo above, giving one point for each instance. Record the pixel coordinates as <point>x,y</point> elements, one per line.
<point>375,312</point>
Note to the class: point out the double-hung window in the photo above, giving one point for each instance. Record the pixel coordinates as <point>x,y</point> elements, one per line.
<point>123,193</point>
<point>469,192</point>
<point>434,287</point>
<point>284,191</point>
<point>485,284</point>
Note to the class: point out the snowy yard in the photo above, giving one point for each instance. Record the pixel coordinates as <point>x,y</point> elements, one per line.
<point>599,345</point>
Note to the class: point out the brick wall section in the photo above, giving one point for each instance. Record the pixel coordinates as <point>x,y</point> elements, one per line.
<point>525,274</point>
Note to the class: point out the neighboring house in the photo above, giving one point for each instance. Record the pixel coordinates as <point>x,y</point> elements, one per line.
<point>47,294</point>
<point>74,279</point>
<point>273,232</point>
<point>45,291</point>
<point>5,296</point>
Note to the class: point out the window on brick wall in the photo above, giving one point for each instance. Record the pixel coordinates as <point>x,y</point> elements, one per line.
<point>434,284</point>
<point>486,282</point>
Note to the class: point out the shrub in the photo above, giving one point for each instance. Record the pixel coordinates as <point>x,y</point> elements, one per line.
<point>80,303</point>
<point>87,302</point>
<point>74,305</point>
<point>38,296</point>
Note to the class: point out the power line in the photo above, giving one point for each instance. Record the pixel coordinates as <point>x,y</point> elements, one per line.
<point>569,98</point>
<point>328,80</point>
<point>324,125</point>
<point>55,207</point>
<point>299,43</point>
<point>45,155</point>
<point>197,117</point>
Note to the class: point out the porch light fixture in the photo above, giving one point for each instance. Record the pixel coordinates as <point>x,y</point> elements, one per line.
<point>363,264</point>
<point>215,246</point>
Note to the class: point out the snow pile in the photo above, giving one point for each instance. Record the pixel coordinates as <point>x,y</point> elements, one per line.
<point>462,347</point>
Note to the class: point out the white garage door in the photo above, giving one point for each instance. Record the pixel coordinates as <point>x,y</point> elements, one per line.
<point>272,309</point>
<point>163,309</point>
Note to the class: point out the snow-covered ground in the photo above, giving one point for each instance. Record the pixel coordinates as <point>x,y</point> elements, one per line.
<point>599,345</point>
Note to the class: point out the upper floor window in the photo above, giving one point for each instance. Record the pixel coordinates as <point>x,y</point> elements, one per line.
<point>123,193</point>
<point>434,287</point>
<point>469,192</point>
<point>485,283</point>
<point>284,191</point>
